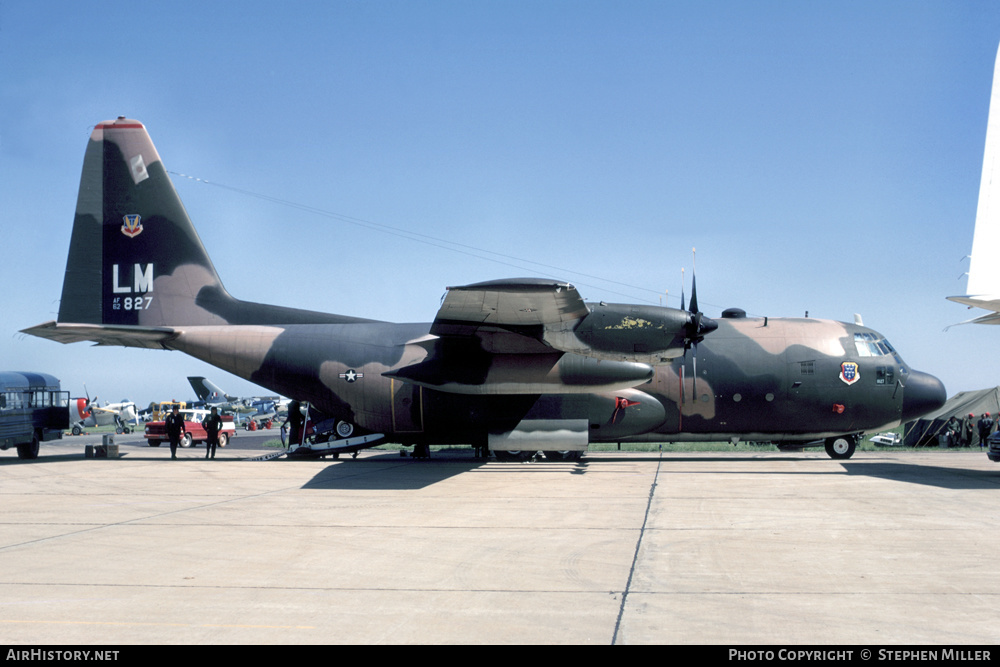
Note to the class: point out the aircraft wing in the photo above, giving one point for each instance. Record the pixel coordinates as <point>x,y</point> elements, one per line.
<point>527,306</point>
<point>535,315</point>
<point>105,334</point>
<point>527,336</point>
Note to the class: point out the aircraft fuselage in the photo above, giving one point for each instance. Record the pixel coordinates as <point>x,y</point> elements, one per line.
<point>775,379</point>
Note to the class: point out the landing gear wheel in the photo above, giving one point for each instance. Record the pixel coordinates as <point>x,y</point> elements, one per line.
<point>514,455</point>
<point>77,430</point>
<point>841,447</point>
<point>564,455</point>
<point>28,450</point>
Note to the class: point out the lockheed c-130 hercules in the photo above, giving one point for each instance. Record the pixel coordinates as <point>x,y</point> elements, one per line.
<point>518,365</point>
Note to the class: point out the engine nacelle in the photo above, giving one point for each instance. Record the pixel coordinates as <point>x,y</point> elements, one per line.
<point>628,332</point>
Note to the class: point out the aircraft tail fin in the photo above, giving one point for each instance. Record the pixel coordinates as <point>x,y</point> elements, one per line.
<point>984,271</point>
<point>134,258</point>
<point>208,391</point>
<point>137,269</point>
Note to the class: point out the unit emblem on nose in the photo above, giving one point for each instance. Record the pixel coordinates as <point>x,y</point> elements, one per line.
<point>849,372</point>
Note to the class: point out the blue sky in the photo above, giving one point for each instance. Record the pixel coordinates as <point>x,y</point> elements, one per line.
<point>821,157</point>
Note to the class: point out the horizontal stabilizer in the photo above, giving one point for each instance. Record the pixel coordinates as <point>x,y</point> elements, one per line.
<point>987,301</point>
<point>105,334</point>
<point>990,318</point>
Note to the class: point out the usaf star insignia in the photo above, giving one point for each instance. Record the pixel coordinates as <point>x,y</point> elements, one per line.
<point>352,375</point>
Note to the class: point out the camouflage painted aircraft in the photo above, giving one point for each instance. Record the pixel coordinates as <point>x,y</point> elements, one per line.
<point>519,366</point>
<point>211,394</point>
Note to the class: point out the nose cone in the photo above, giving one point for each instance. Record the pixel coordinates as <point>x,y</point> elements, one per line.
<point>923,393</point>
<point>707,326</point>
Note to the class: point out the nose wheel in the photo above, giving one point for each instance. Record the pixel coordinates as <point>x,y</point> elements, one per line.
<point>841,447</point>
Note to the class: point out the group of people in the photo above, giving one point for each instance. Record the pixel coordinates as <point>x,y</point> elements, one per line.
<point>962,433</point>
<point>176,430</point>
<point>213,425</point>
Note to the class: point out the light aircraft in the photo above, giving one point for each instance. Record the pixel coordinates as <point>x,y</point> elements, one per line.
<point>87,413</point>
<point>516,365</point>
<point>983,287</point>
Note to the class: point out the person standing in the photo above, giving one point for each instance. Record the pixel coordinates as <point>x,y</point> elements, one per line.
<point>175,429</point>
<point>212,424</point>
<point>967,430</point>
<point>294,421</point>
<point>985,428</point>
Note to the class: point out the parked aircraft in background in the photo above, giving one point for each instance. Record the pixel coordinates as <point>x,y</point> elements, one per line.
<point>983,287</point>
<point>87,413</point>
<point>519,365</point>
<point>211,394</point>
<point>252,412</point>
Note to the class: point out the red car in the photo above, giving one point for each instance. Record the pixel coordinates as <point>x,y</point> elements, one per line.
<point>156,432</point>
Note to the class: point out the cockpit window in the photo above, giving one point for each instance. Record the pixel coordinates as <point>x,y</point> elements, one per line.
<point>867,345</point>
<point>871,345</point>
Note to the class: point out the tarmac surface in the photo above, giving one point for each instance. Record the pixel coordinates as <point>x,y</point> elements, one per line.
<point>735,548</point>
